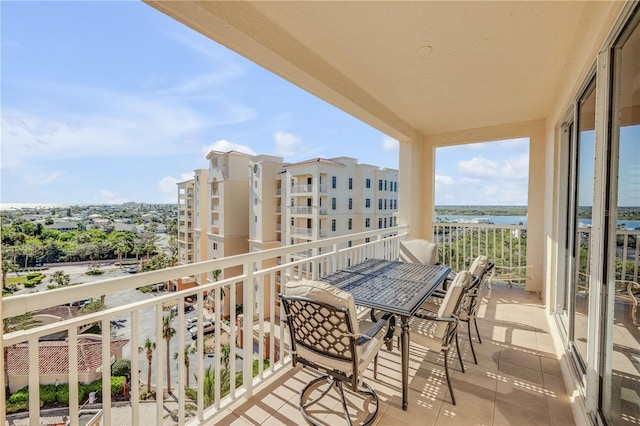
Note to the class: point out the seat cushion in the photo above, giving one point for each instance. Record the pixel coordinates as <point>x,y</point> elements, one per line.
<point>419,251</point>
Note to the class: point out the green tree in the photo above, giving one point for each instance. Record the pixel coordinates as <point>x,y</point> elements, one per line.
<point>188,350</point>
<point>148,348</point>
<point>7,266</point>
<point>168,331</point>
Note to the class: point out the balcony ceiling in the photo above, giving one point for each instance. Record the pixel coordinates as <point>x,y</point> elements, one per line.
<point>408,68</point>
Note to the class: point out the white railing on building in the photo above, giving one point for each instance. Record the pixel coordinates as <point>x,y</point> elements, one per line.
<point>215,207</point>
<point>296,230</point>
<point>214,193</point>
<point>460,243</point>
<point>322,211</point>
<point>301,210</point>
<point>301,189</point>
<point>322,189</point>
<point>267,337</point>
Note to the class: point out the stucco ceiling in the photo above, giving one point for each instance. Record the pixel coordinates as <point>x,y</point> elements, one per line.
<point>407,68</point>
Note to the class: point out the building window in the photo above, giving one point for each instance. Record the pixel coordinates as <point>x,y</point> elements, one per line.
<point>293,182</point>
<point>334,182</point>
<point>292,202</point>
<point>380,223</point>
<point>367,202</point>
<point>367,240</point>
<point>367,223</point>
<point>333,203</point>
<point>215,246</point>
<point>385,203</point>
<point>385,185</point>
<point>293,221</point>
<point>349,243</point>
<point>309,181</point>
<point>350,183</point>
<point>379,184</point>
<point>333,225</point>
<point>255,219</point>
<point>350,226</point>
<point>350,203</point>
<point>380,204</point>
<point>367,183</point>
<point>385,222</point>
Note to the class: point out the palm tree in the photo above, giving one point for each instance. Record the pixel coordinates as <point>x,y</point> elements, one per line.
<point>149,347</point>
<point>209,384</point>
<point>7,266</point>
<point>188,350</point>
<point>60,278</point>
<point>167,333</point>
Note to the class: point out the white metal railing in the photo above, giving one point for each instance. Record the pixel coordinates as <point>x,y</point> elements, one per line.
<point>243,274</point>
<point>301,189</point>
<point>215,207</point>
<point>322,189</point>
<point>460,243</point>
<point>296,230</point>
<point>301,210</point>
<point>322,211</point>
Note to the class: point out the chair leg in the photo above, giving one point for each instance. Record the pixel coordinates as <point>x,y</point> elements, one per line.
<point>473,352</point>
<point>459,354</point>
<point>344,402</point>
<point>375,367</point>
<point>477,331</point>
<point>446,372</point>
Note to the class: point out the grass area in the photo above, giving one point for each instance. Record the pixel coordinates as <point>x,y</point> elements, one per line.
<point>16,280</point>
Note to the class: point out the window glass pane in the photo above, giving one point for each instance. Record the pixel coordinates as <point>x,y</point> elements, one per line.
<point>621,399</point>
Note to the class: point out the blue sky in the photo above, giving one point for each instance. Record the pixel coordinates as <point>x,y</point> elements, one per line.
<point>109,102</point>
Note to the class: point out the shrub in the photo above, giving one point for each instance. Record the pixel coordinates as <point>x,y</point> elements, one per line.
<point>22,395</point>
<point>94,272</point>
<point>47,393</point>
<point>122,367</point>
<point>32,275</point>
<point>14,407</point>
<point>62,393</point>
<point>117,385</point>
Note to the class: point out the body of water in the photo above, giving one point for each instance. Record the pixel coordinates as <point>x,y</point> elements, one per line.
<point>520,220</point>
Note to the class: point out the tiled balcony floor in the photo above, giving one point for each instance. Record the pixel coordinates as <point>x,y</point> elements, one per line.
<point>517,379</point>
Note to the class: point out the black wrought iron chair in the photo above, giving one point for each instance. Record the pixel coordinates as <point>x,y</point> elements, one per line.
<point>326,336</point>
<point>440,330</point>
<point>479,269</point>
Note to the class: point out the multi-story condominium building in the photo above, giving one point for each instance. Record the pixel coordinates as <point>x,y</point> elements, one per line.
<point>185,221</point>
<point>306,201</point>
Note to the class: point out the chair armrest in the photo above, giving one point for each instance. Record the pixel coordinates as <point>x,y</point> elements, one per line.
<point>434,317</point>
<point>377,327</point>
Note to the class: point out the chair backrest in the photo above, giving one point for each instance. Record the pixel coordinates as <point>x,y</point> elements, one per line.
<point>323,325</point>
<point>451,304</point>
<point>479,265</point>
<point>419,251</point>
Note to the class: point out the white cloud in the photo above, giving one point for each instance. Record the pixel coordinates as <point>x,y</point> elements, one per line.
<point>446,180</point>
<point>287,144</point>
<point>478,166</point>
<point>224,145</point>
<point>389,144</point>
<point>106,196</point>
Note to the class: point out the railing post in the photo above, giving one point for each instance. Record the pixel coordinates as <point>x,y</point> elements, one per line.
<point>247,335</point>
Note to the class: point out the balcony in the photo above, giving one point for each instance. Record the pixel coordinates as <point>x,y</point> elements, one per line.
<point>302,210</point>
<point>517,371</point>
<point>296,230</point>
<point>301,189</point>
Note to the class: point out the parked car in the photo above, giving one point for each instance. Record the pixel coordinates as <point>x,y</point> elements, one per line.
<point>207,327</point>
<point>132,269</point>
<point>191,322</point>
<point>188,307</point>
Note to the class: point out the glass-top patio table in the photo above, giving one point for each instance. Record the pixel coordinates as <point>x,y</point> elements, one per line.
<point>391,286</point>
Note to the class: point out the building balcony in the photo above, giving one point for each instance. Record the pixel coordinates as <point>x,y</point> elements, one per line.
<point>301,189</point>
<point>302,210</point>
<point>296,230</point>
<point>517,372</point>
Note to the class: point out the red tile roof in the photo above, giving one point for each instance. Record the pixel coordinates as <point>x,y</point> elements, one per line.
<point>54,356</point>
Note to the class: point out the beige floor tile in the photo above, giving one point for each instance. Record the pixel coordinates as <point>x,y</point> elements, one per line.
<point>550,367</point>
<point>473,406</point>
<point>521,356</point>
<point>524,395</point>
<point>507,414</point>
<point>521,373</point>
<point>416,414</point>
